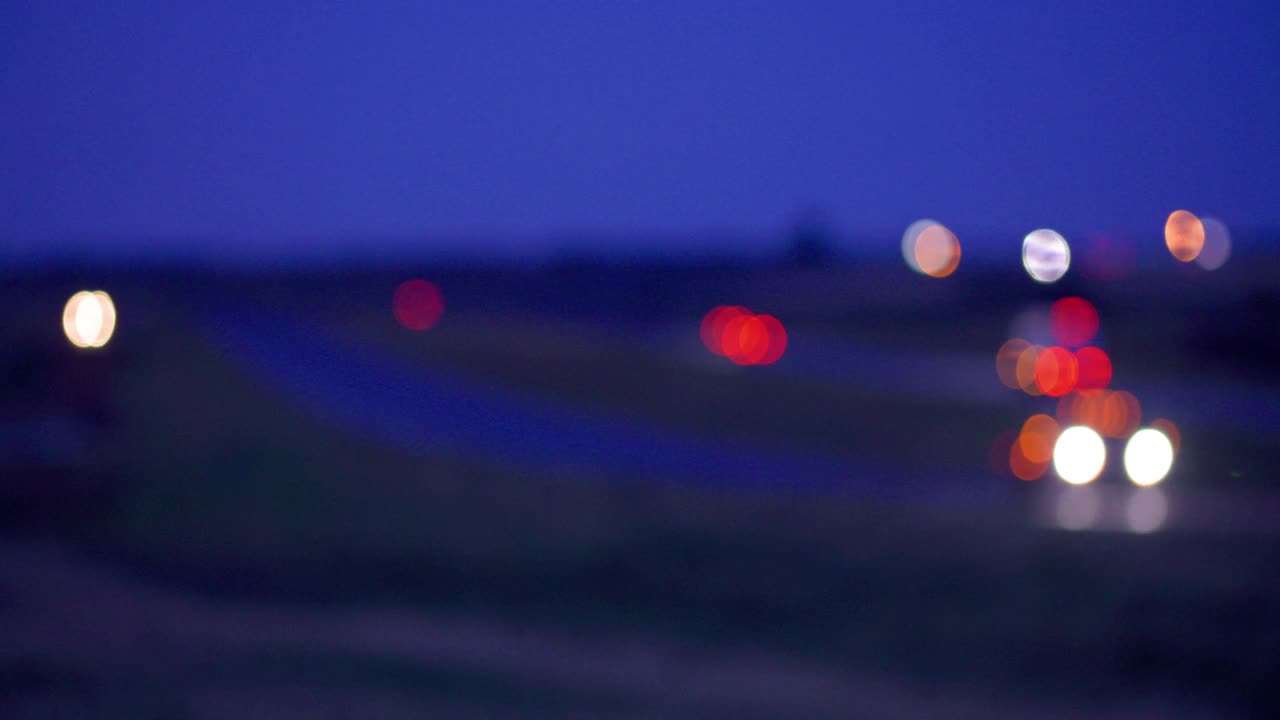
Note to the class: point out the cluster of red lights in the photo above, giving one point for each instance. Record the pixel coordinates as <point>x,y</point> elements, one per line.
<point>1058,370</point>
<point>732,331</point>
<point>1075,372</point>
<point>742,336</point>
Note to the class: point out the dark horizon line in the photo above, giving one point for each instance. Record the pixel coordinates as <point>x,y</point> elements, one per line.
<point>716,245</point>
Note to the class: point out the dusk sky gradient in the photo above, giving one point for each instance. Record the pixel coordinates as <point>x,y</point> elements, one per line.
<point>264,126</point>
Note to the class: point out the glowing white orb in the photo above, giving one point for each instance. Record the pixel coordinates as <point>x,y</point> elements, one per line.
<point>1146,510</point>
<point>1148,457</point>
<point>1045,255</point>
<point>1079,455</point>
<point>1078,508</point>
<point>89,319</point>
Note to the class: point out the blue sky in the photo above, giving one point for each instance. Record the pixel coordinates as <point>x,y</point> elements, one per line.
<point>260,127</point>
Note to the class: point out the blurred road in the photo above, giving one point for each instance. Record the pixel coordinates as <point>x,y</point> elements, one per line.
<point>314,512</point>
<point>421,407</point>
<point>427,407</point>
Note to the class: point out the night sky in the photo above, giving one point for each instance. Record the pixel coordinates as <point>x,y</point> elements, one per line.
<point>275,130</point>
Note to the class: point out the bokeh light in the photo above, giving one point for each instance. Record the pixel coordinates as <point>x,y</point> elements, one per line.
<point>1056,371</point>
<point>1079,455</point>
<point>1074,321</point>
<point>89,319</point>
<point>1170,431</point>
<point>1078,508</point>
<point>909,241</point>
<point>714,322</point>
<point>937,251</point>
<point>742,336</point>
<point>1095,368</point>
<point>777,339</point>
<point>1025,370</point>
<point>1045,255</point>
<point>418,304</point>
<point>745,340</point>
<point>1007,361</point>
<point>1074,409</point>
<point>1184,235</point>
<point>1122,414</point>
<point>1111,413</point>
<point>1217,244</point>
<point>1148,457</point>
<point>1146,510</point>
<point>1036,440</point>
<point>1023,467</point>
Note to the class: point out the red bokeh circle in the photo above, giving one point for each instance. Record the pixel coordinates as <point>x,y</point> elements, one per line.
<point>1095,368</point>
<point>1074,321</point>
<point>1057,371</point>
<point>418,304</point>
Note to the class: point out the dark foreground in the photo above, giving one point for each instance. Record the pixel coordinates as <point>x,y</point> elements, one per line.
<point>247,521</point>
